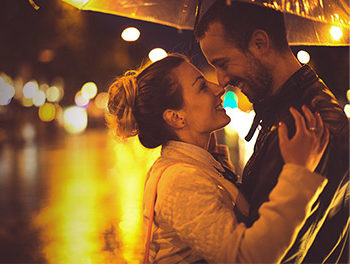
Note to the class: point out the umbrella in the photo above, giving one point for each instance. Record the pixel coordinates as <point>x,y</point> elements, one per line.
<point>308,22</point>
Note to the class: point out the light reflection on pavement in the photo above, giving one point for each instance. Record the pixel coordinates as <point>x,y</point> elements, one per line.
<point>75,200</point>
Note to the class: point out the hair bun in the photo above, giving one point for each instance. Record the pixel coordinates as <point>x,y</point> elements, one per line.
<point>121,102</point>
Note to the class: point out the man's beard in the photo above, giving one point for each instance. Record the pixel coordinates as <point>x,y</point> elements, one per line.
<point>259,80</point>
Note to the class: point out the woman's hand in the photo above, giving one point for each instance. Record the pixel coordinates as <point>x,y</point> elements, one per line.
<point>309,142</point>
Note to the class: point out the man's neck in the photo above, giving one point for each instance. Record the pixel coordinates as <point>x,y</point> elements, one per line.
<point>284,67</point>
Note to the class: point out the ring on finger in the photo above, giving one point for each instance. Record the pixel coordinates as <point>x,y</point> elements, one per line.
<point>312,129</point>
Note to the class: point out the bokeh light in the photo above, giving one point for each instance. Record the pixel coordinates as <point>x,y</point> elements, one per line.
<point>336,32</point>
<point>230,100</point>
<point>80,100</point>
<point>157,54</point>
<point>130,34</point>
<point>30,88</point>
<point>47,112</point>
<point>28,131</point>
<point>347,110</point>
<point>348,95</point>
<point>89,90</point>
<point>303,56</point>
<point>75,119</point>
<point>101,100</point>
<point>7,91</point>
<point>39,98</point>
<point>27,102</point>
<point>46,55</point>
<point>52,94</point>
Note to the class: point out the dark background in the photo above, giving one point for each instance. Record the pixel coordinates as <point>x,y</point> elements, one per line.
<point>87,46</point>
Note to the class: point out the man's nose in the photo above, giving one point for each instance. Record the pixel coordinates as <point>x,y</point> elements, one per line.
<point>218,90</point>
<point>222,77</point>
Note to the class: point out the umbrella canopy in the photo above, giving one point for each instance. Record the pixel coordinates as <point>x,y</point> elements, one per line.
<point>308,22</point>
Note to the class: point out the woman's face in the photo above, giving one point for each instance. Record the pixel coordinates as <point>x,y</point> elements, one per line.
<point>203,111</point>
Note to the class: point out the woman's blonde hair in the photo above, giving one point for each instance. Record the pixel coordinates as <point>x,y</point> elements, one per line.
<point>122,96</point>
<point>137,100</point>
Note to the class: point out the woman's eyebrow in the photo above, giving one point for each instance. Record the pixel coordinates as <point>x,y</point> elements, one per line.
<point>198,78</point>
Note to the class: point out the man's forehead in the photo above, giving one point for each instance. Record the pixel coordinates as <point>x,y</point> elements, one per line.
<point>215,29</point>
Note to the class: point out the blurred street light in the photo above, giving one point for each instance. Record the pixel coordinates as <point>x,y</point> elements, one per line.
<point>336,32</point>
<point>52,94</point>
<point>347,110</point>
<point>89,90</point>
<point>80,100</point>
<point>75,119</point>
<point>101,100</point>
<point>303,56</point>
<point>30,88</point>
<point>157,54</point>
<point>47,112</point>
<point>39,98</point>
<point>130,34</point>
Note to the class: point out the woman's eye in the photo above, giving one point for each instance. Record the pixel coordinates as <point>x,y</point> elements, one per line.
<point>203,86</point>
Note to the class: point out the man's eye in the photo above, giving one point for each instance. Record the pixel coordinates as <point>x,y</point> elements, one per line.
<point>223,66</point>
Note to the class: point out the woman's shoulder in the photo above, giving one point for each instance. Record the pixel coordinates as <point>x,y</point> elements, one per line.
<point>178,174</point>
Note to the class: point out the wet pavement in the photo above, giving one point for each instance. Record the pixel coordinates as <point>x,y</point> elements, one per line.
<point>72,199</point>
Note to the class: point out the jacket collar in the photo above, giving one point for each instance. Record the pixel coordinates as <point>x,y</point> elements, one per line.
<point>189,153</point>
<point>289,94</point>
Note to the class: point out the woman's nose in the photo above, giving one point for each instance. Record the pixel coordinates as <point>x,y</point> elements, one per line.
<point>218,90</point>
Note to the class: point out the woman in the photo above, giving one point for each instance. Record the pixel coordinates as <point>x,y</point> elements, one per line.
<point>196,210</point>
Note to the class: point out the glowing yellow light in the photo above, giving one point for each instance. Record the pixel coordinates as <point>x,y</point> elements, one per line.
<point>130,34</point>
<point>89,90</point>
<point>347,110</point>
<point>348,95</point>
<point>30,88</point>
<point>39,98</point>
<point>157,54</point>
<point>76,3</point>
<point>59,115</point>
<point>101,100</point>
<point>129,184</point>
<point>28,131</point>
<point>73,222</point>
<point>47,112</point>
<point>27,102</point>
<point>336,32</point>
<point>75,119</point>
<point>80,100</point>
<point>52,94</point>
<point>303,56</point>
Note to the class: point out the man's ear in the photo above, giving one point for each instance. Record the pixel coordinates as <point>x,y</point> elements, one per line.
<point>259,43</point>
<point>174,118</point>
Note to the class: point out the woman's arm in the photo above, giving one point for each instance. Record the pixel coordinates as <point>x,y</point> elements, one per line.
<point>195,207</point>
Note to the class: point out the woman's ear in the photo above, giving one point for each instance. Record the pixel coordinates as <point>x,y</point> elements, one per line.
<point>259,43</point>
<point>174,118</point>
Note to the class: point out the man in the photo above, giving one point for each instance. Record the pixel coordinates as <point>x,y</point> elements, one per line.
<point>247,45</point>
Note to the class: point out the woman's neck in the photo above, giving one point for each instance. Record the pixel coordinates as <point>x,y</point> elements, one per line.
<point>200,140</point>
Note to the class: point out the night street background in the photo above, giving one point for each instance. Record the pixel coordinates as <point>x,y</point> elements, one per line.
<point>68,197</point>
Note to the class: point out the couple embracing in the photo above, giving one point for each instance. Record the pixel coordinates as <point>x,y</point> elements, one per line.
<point>292,204</point>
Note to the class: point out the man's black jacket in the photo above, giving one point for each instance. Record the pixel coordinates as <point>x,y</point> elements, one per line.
<point>324,234</point>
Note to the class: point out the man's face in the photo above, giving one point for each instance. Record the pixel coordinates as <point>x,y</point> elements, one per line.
<point>235,67</point>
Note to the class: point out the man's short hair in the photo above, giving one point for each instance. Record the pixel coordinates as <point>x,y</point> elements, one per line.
<point>241,19</point>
